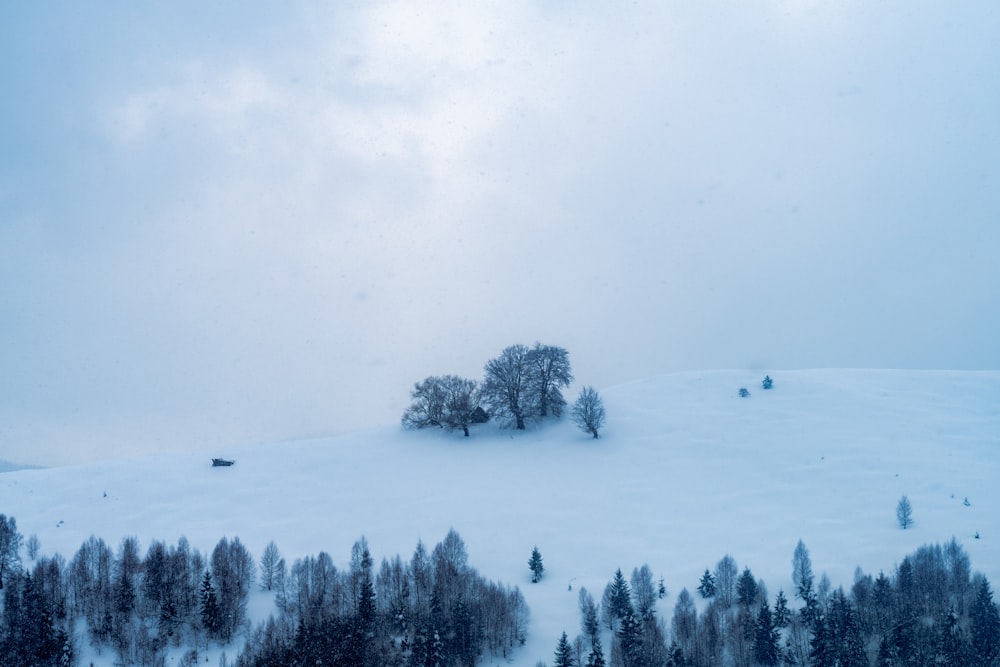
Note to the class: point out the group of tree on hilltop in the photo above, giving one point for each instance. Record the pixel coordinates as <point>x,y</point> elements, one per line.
<point>521,385</point>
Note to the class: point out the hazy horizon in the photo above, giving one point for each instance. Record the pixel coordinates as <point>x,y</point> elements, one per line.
<point>243,223</point>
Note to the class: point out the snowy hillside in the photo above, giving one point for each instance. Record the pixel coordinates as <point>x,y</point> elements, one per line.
<point>685,472</point>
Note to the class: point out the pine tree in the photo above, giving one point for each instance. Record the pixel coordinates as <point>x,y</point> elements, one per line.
<point>782,614</point>
<point>621,596</point>
<point>10,546</point>
<point>707,586</point>
<point>837,641</point>
<point>596,657</point>
<point>746,589</point>
<point>951,649</point>
<point>535,563</point>
<point>209,606</point>
<point>588,613</point>
<point>766,637</point>
<point>564,653</point>
<point>436,655</point>
<point>985,626</point>
<point>630,638</point>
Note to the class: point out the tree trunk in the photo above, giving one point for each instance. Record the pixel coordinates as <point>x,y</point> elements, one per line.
<point>465,429</point>
<point>520,423</point>
<point>594,431</point>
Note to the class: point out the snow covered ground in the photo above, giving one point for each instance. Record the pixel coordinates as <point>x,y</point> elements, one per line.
<point>685,472</point>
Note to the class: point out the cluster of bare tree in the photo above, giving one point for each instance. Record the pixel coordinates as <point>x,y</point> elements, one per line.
<point>931,611</point>
<point>138,607</point>
<point>433,611</point>
<point>522,384</point>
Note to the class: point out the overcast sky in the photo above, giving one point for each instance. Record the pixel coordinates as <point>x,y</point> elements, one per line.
<point>226,223</point>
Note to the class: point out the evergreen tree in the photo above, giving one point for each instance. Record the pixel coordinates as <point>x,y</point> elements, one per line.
<point>782,614</point>
<point>951,645</point>
<point>985,626</point>
<point>620,597</point>
<point>883,600</point>
<point>436,654</point>
<point>675,656</point>
<point>464,644</point>
<point>10,547</point>
<point>746,589</point>
<point>588,614</point>
<point>209,606</point>
<point>707,586</point>
<point>596,657</point>
<point>837,641</point>
<point>630,639</point>
<point>564,653</point>
<point>535,564</point>
<point>766,637</point>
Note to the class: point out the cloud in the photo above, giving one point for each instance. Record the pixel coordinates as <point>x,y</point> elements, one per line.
<point>257,226</point>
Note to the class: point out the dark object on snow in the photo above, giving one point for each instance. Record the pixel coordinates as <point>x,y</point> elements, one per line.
<point>767,383</point>
<point>221,463</point>
<point>744,393</point>
<point>479,416</point>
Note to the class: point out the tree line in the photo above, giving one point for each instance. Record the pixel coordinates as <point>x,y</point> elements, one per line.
<point>521,385</point>
<point>932,610</point>
<point>433,610</point>
<point>135,607</point>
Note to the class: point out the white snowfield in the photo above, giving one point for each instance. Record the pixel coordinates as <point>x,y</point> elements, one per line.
<point>684,473</point>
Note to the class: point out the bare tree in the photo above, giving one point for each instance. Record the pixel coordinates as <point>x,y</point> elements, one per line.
<point>233,573</point>
<point>550,373</point>
<point>507,389</point>
<point>448,402</point>
<point>588,411</point>
<point>269,566</point>
<point>643,591</point>
<point>33,545</point>
<point>725,580</point>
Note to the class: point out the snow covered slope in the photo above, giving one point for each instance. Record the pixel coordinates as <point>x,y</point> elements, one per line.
<point>685,472</point>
